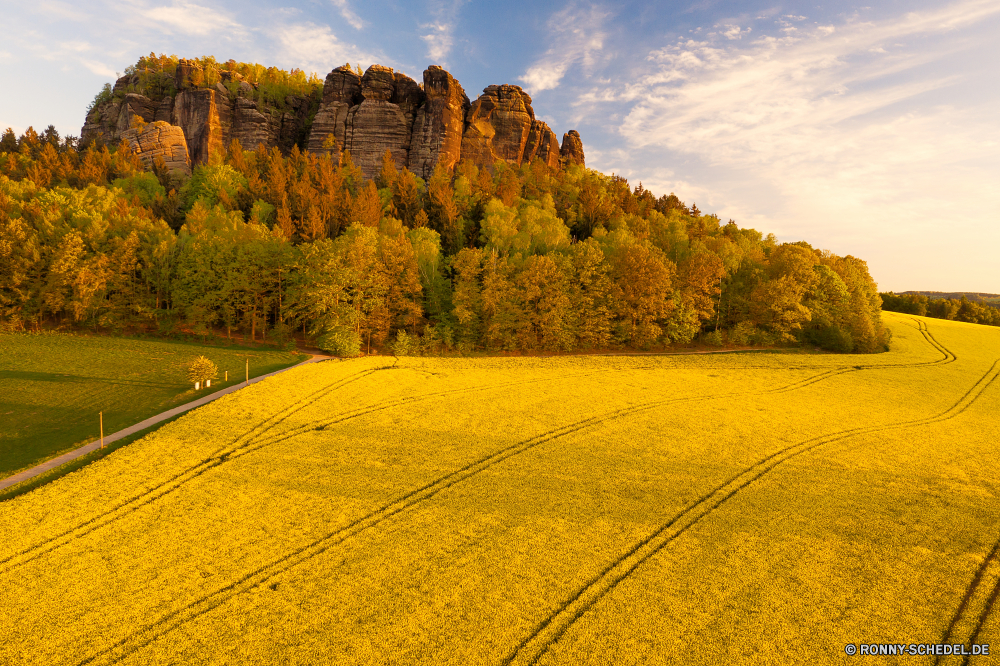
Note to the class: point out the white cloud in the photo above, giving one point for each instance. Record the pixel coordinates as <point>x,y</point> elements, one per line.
<point>76,46</point>
<point>439,40</point>
<point>315,48</point>
<point>735,32</point>
<point>846,139</point>
<point>440,35</point>
<point>192,19</point>
<point>577,36</point>
<point>345,10</point>
<point>58,10</point>
<point>98,68</point>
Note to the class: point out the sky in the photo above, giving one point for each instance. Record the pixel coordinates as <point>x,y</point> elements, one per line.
<point>865,130</point>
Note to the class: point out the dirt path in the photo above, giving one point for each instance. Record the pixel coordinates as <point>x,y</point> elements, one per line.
<point>142,425</point>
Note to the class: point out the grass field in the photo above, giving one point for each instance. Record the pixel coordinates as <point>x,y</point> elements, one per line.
<point>53,386</point>
<point>743,508</point>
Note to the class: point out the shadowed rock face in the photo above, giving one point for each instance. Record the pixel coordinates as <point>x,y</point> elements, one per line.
<point>572,148</point>
<point>543,144</point>
<point>383,120</point>
<point>195,112</point>
<point>160,140</point>
<point>439,124</point>
<point>421,126</point>
<point>341,91</point>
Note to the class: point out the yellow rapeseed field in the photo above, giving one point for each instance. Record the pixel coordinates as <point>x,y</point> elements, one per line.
<point>726,508</point>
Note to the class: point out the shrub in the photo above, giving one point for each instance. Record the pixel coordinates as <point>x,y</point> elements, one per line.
<point>447,337</point>
<point>430,342</point>
<point>103,96</point>
<point>403,343</point>
<point>742,333</point>
<point>831,338</point>
<point>764,338</point>
<point>340,342</point>
<point>713,338</point>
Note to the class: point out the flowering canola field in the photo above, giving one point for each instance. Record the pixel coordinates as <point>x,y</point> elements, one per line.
<point>738,508</point>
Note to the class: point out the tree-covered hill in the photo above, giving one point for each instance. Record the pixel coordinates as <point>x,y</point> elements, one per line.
<point>530,258</point>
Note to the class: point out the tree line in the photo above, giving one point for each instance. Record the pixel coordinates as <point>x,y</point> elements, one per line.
<point>527,258</point>
<point>958,309</point>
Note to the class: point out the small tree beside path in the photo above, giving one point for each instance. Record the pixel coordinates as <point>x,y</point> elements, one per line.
<point>202,371</point>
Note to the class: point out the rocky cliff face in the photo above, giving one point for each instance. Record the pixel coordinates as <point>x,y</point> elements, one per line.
<point>420,125</point>
<point>209,117</point>
<point>383,120</point>
<point>439,124</point>
<point>572,148</point>
<point>160,140</point>
<point>501,125</point>
<point>341,92</point>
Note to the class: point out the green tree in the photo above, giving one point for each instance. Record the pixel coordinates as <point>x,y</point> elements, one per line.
<point>202,369</point>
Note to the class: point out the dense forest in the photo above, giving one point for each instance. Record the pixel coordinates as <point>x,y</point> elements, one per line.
<point>528,259</point>
<point>960,309</point>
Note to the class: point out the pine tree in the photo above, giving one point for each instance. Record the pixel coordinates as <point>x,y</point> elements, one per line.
<point>8,142</point>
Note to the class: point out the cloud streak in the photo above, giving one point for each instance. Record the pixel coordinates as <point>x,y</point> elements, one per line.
<point>439,33</point>
<point>316,48</point>
<point>849,127</point>
<point>191,19</point>
<point>348,14</point>
<point>578,36</point>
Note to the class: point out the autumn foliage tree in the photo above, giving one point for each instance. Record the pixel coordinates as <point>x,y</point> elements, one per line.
<point>530,258</point>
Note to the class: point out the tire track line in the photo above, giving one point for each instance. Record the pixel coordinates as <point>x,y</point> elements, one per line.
<point>947,357</point>
<point>155,630</point>
<point>222,456</point>
<point>975,607</point>
<point>12,561</point>
<point>550,630</point>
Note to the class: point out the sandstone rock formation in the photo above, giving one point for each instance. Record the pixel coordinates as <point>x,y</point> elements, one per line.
<point>543,144</point>
<point>421,126</point>
<point>160,140</point>
<point>196,113</point>
<point>341,92</point>
<point>383,120</point>
<point>572,148</point>
<point>501,125</point>
<point>210,117</point>
<point>439,125</point>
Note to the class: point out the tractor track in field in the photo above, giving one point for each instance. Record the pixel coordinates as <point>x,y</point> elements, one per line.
<point>251,442</point>
<point>947,356</point>
<point>153,631</point>
<point>190,472</point>
<point>975,608</point>
<point>259,576</point>
<point>551,629</point>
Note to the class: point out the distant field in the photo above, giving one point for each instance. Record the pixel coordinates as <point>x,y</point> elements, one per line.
<point>744,508</point>
<point>53,386</point>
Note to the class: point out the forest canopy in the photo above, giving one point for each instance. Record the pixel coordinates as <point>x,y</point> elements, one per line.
<point>960,309</point>
<point>518,259</point>
<point>154,76</point>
